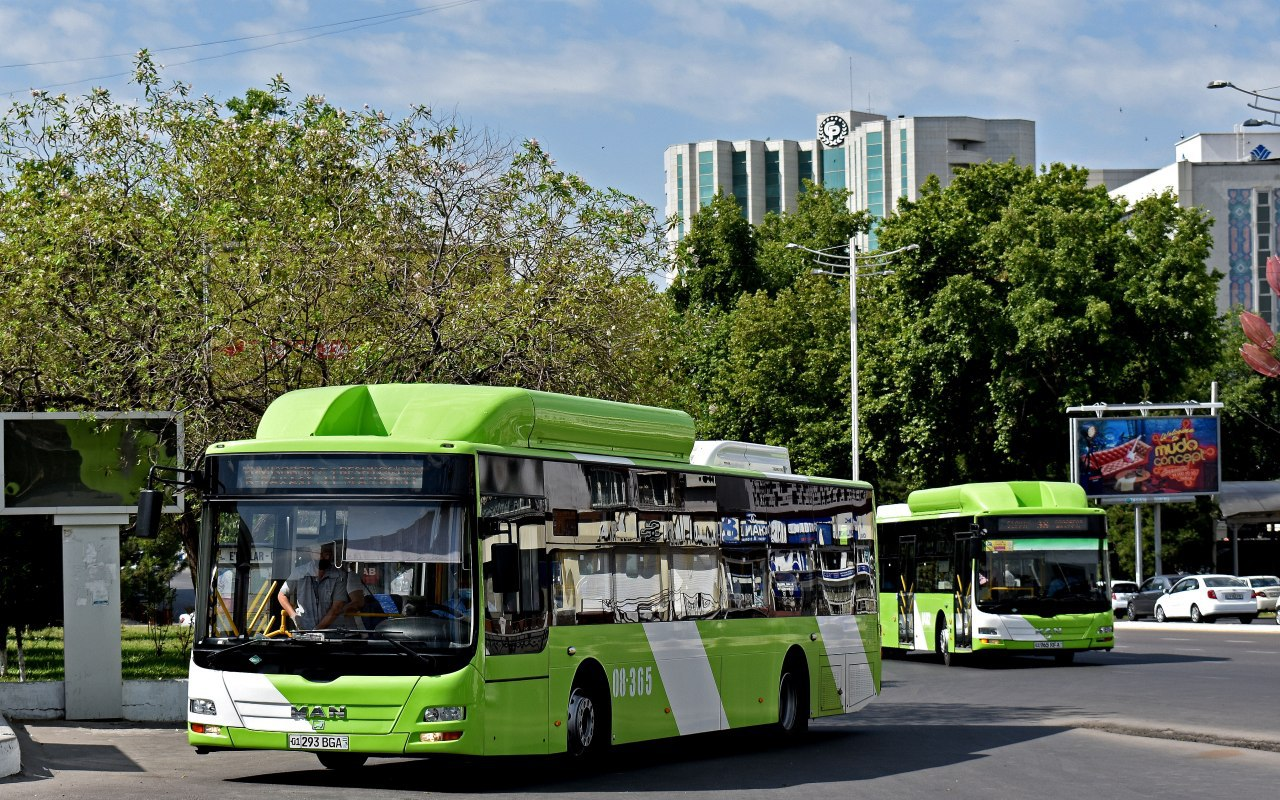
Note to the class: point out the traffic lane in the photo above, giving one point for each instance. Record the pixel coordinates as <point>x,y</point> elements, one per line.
<point>1194,684</point>
<point>956,749</point>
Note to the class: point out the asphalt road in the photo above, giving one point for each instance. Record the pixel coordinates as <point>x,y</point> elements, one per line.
<point>1175,710</point>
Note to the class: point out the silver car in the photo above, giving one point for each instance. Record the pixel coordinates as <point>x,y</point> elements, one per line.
<point>1268,589</point>
<point>1121,593</point>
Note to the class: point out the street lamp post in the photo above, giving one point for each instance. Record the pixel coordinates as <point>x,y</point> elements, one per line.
<point>828,266</point>
<point>1258,97</point>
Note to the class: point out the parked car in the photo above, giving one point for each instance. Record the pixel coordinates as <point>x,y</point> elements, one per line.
<point>1268,589</point>
<point>1143,604</point>
<point>1121,593</point>
<point>1205,598</point>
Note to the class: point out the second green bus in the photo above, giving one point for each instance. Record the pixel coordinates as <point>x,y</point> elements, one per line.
<point>1018,567</point>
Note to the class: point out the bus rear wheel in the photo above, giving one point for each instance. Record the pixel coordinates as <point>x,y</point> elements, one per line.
<point>793,707</point>
<point>342,761</point>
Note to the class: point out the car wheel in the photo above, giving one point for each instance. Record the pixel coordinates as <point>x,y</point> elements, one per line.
<point>1133,613</point>
<point>1160,617</point>
<point>1247,619</point>
<point>1196,616</point>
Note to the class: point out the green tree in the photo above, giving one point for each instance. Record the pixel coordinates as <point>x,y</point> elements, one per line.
<point>1029,293</point>
<point>716,260</point>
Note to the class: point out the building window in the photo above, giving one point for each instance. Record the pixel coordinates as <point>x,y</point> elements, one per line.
<point>1262,232</point>
<point>875,173</point>
<point>772,183</point>
<point>875,183</point>
<point>833,169</point>
<point>903,186</point>
<point>679,195</point>
<point>706,178</point>
<point>740,181</point>
<point>804,162</point>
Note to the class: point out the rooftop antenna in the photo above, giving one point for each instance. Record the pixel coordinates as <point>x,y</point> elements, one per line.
<point>850,83</point>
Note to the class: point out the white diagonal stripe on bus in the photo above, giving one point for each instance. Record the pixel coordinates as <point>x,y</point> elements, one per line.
<point>842,636</point>
<point>686,676</point>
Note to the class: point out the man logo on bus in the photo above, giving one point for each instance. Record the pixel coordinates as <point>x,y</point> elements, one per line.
<point>318,712</point>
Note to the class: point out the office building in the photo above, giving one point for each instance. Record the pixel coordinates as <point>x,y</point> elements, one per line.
<point>878,159</point>
<point>1235,179</point>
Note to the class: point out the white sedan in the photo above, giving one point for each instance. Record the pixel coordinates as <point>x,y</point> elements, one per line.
<point>1268,589</point>
<point>1204,598</point>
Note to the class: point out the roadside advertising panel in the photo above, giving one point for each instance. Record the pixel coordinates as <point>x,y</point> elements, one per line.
<point>1146,459</point>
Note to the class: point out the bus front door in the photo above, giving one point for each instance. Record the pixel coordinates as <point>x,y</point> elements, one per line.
<point>907,592</point>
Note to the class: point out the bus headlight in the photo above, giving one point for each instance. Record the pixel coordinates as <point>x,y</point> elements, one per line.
<point>199,705</point>
<point>444,714</point>
<point>1106,629</point>
<point>988,632</point>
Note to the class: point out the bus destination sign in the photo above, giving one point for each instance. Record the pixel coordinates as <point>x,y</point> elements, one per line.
<point>1042,524</point>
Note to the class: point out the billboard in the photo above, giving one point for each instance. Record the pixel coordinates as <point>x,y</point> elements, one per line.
<point>84,462</point>
<point>1146,459</point>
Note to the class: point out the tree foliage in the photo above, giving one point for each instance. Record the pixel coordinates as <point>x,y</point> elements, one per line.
<point>1030,293</point>
<point>716,260</point>
<point>164,255</point>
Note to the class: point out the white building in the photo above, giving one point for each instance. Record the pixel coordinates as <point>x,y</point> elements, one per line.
<point>1235,178</point>
<point>878,159</point>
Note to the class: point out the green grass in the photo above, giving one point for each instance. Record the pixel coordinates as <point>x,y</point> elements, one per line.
<point>138,657</point>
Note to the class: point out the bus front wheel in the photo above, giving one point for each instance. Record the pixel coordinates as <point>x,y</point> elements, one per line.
<point>342,761</point>
<point>588,723</point>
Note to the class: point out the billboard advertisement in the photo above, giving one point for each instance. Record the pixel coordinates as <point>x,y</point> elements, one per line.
<point>87,462</point>
<point>1137,459</point>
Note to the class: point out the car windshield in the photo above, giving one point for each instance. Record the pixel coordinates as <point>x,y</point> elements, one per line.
<point>1124,587</point>
<point>1256,582</point>
<point>322,570</point>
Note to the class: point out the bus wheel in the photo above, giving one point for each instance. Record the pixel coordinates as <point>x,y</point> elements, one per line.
<point>588,722</point>
<point>941,645</point>
<point>342,761</point>
<point>793,706</point>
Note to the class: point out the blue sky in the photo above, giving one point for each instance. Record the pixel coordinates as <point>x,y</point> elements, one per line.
<point>607,85</point>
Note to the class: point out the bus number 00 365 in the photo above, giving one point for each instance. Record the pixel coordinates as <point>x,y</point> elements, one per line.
<point>632,681</point>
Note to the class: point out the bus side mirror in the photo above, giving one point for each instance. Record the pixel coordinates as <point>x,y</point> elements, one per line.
<point>504,568</point>
<point>150,502</point>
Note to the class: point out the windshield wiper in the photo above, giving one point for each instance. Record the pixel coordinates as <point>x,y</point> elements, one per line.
<point>430,661</point>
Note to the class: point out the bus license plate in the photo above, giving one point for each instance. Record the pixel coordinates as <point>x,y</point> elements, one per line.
<point>1048,645</point>
<point>312,741</point>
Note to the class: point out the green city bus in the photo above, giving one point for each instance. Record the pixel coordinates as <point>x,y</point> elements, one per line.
<point>622,592</point>
<point>1018,567</point>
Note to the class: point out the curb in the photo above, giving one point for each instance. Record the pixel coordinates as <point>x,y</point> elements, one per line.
<point>10,757</point>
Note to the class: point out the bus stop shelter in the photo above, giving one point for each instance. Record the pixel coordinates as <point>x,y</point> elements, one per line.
<point>1245,503</point>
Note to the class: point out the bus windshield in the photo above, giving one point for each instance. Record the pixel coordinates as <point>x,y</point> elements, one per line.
<point>342,570</point>
<point>1060,574</point>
